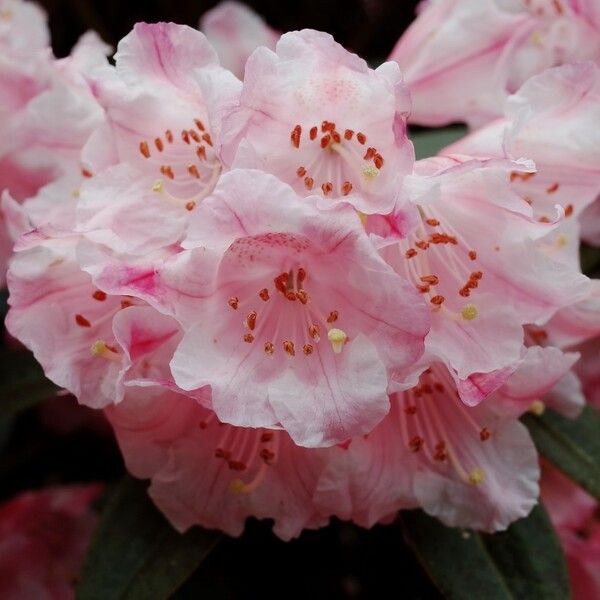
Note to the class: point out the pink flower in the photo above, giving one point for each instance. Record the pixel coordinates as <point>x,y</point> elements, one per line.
<point>291,316</point>
<point>43,538</point>
<point>462,58</point>
<point>153,160</point>
<point>550,120</point>
<point>468,466</point>
<point>575,516</point>
<point>473,258</point>
<point>235,31</point>
<point>318,118</point>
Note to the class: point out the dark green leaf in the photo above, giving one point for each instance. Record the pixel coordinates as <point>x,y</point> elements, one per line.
<point>430,142</point>
<point>525,562</point>
<point>136,554</point>
<point>572,445</point>
<point>22,382</point>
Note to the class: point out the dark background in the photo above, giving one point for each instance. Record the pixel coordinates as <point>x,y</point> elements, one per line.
<point>368,27</point>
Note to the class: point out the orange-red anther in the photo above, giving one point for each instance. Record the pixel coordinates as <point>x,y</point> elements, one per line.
<point>144,149</point>
<point>361,137</point>
<point>333,316</point>
<point>264,294</point>
<point>410,253</point>
<point>295,136</point>
<point>82,321</point>
<point>437,300</point>
<point>301,172</point>
<point>233,302</point>
<point>99,295</point>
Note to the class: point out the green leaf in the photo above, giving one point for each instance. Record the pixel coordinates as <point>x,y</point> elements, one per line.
<point>22,382</point>
<point>430,142</point>
<point>525,562</point>
<point>136,554</point>
<point>572,445</point>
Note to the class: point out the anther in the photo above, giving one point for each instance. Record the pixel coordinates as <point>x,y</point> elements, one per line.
<point>430,279</point>
<point>472,254</point>
<point>167,171</point>
<point>159,144</point>
<point>99,295</point>
<point>552,188</point>
<point>313,331</point>
<point>251,320</point>
<point>348,134</point>
<point>267,455</point>
<point>416,443</point>
<point>248,338</point>
<point>432,222</point>
<point>295,136</point>
<point>269,348</point>
<point>185,136</point>
<point>289,348</point>
<point>291,295</point>
<point>193,171</point>
<point>190,205</point>
<point>338,338</point>
<point>484,434</point>
<point>266,437</point>
<point>327,188</point>
<point>233,302</point>
<point>325,141</point>
<point>264,294</point>
<point>307,349</point>
<point>346,188</point>
<point>361,137</point>
<point>199,124</point>
<point>301,275</point>
<point>301,172</point>
<point>201,152</point>
<point>568,210</point>
<point>422,244</point>
<point>309,182</point>
<point>194,136</point>
<point>378,160</point>
<point>336,137</point>
<point>410,253</point>
<point>169,136</point>
<point>206,137</point>
<point>333,316</point>
<point>437,300</point>
<point>313,133</point>
<point>144,149</point>
<point>369,154</point>
<point>82,321</point>
<point>302,295</point>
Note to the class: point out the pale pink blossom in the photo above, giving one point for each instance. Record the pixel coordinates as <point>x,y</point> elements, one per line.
<point>575,515</point>
<point>291,316</point>
<point>473,258</point>
<point>235,31</point>
<point>152,162</point>
<point>551,120</point>
<point>317,117</point>
<point>468,466</point>
<point>462,58</point>
<point>43,539</point>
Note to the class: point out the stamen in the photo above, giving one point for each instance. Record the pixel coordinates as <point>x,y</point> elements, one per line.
<point>199,124</point>
<point>269,348</point>
<point>248,338</point>
<point>99,295</point>
<point>82,321</point>
<point>348,134</point>
<point>251,320</point>
<point>313,331</point>
<point>307,349</point>
<point>190,205</point>
<point>361,137</point>
<point>289,347</point>
<point>327,187</point>
<point>432,222</point>
<point>378,160</point>
<point>206,137</point>
<point>338,338</point>
<point>295,136</point>
<point>103,350</point>
<point>568,210</point>
<point>159,144</point>
<point>167,171</point>
<point>472,254</point>
<point>484,434</point>
<point>552,188</point>
<point>410,253</point>
<point>430,279</point>
<point>264,294</point>
<point>185,136</point>
<point>333,316</point>
<point>346,188</point>
<point>233,302</point>
<point>144,149</point>
<point>325,141</point>
<point>193,171</point>
<point>437,300</point>
<point>169,136</point>
<point>301,172</point>
<point>309,182</point>
<point>313,133</point>
<point>194,136</point>
<point>302,295</point>
<point>416,443</point>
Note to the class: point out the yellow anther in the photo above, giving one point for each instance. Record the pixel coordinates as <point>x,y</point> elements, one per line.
<point>476,476</point>
<point>537,408</point>
<point>338,338</point>
<point>537,38</point>
<point>370,172</point>
<point>363,218</point>
<point>469,312</point>
<point>158,186</point>
<point>99,348</point>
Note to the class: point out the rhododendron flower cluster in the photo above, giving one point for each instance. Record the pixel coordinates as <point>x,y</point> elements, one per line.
<point>282,313</point>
